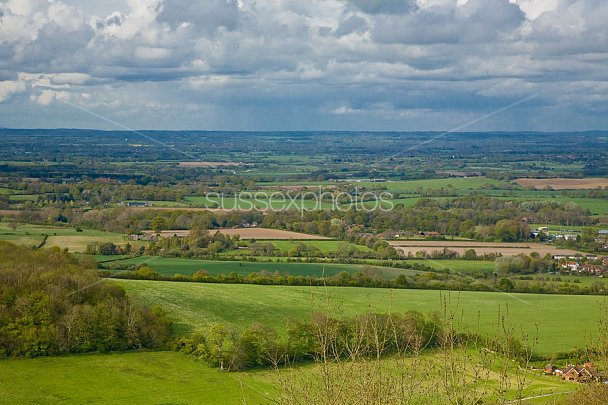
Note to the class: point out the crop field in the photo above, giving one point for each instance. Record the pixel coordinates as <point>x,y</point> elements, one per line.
<point>506,249</point>
<point>561,322</point>
<point>170,266</point>
<point>564,184</point>
<point>28,235</point>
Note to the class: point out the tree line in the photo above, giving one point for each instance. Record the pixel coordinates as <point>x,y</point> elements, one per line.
<point>372,277</point>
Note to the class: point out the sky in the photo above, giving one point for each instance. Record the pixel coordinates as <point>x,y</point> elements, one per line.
<point>373,65</point>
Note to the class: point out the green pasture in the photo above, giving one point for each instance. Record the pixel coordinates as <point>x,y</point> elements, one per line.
<point>264,200</point>
<point>459,265</point>
<point>325,246</point>
<point>458,183</point>
<point>173,378</point>
<point>127,378</point>
<point>164,203</point>
<point>170,266</point>
<point>560,322</point>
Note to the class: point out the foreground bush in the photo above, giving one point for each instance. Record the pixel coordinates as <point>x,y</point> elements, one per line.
<point>368,335</point>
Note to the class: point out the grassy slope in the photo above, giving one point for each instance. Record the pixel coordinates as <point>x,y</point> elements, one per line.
<point>168,378</point>
<point>171,266</point>
<point>127,378</point>
<point>564,322</point>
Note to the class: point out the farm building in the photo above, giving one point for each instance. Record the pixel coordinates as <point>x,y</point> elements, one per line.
<point>578,373</point>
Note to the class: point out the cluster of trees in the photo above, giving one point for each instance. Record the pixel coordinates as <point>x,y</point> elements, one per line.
<point>259,345</point>
<point>52,303</point>
<point>108,249</point>
<point>199,243</point>
<point>522,264</point>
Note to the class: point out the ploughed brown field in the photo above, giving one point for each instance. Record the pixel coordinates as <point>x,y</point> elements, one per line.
<point>563,184</point>
<point>506,249</point>
<point>211,164</point>
<point>249,233</point>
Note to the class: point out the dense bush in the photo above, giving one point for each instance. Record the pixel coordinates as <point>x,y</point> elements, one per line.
<point>51,303</point>
<point>258,345</point>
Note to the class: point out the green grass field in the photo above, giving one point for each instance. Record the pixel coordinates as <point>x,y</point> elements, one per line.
<point>596,206</point>
<point>127,378</point>
<point>262,202</point>
<point>462,266</point>
<point>469,183</point>
<point>23,197</point>
<point>170,266</point>
<point>174,378</point>
<point>561,322</point>
<point>164,203</point>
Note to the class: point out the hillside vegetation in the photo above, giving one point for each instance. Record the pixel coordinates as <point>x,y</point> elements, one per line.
<point>51,303</point>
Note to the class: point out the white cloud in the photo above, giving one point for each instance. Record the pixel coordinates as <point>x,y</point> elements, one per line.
<point>231,58</point>
<point>345,110</point>
<point>46,97</point>
<point>8,88</point>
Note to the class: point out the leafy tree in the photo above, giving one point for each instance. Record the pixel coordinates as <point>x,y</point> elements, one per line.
<point>158,224</point>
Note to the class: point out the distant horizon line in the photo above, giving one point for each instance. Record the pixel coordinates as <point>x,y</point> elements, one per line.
<point>300,130</point>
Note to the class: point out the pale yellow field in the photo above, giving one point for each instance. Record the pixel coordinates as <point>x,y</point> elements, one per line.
<point>506,249</point>
<point>79,243</point>
<point>563,184</point>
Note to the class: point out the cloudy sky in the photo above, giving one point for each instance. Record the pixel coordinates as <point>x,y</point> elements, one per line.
<point>304,64</point>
